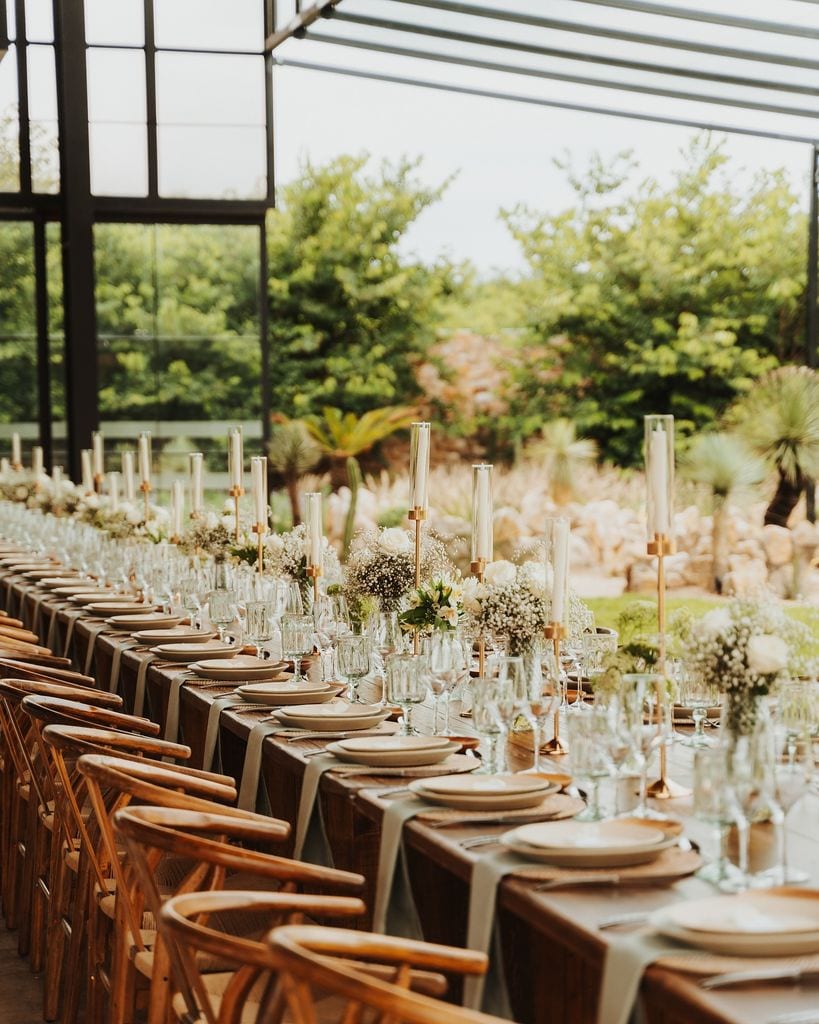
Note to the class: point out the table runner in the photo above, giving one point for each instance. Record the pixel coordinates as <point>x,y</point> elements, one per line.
<point>116,661</point>
<point>172,715</point>
<point>218,704</point>
<point>627,957</point>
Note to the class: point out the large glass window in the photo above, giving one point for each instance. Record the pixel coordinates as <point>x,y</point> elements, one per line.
<point>18,332</point>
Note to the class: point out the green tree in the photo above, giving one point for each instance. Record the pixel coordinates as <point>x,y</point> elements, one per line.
<point>657,300</point>
<point>351,314</point>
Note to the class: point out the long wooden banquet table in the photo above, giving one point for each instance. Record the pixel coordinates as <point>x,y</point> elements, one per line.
<point>552,949</point>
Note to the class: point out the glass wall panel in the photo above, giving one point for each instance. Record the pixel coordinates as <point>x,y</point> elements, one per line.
<point>117,115</point>
<point>9,124</point>
<point>202,24</point>
<point>18,335</point>
<point>40,21</point>
<point>43,128</point>
<point>121,23</point>
<point>56,345</point>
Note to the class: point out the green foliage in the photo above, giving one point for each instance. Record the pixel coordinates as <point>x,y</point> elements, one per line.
<point>563,452</point>
<point>350,315</point>
<point>657,301</point>
<point>291,453</point>
<point>724,463</point>
<point>354,483</point>
<point>340,435</point>
<point>391,517</point>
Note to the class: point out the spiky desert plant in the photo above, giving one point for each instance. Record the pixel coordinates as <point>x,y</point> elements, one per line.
<point>564,453</point>
<point>342,436</point>
<point>292,453</point>
<point>779,419</point>
<point>726,466</point>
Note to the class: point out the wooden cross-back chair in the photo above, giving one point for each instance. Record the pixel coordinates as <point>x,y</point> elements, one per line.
<point>22,669</point>
<point>313,962</point>
<point>208,843</point>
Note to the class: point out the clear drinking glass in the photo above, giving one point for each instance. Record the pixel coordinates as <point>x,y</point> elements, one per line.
<point>447,666</point>
<point>406,686</point>
<point>354,662</point>
<point>589,756</point>
<point>716,804</point>
<point>793,769</point>
<point>259,623</point>
<point>699,695</point>
<point>595,647</point>
<point>641,705</point>
<point>222,609</point>
<point>297,640</point>
<point>544,691</point>
<point>487,695</point>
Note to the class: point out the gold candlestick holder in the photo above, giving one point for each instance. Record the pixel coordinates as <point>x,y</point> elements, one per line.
<point>478,568</point>
<point>663,788</point>
<point>146,489</point>
<point>17,467</point>
<point>556,631</point>
<point>98,482</point>
<point>417,515</point>
<point>314,572</point>
<point>195,516</point>
<point>236,493</point>
<point>261,532</point>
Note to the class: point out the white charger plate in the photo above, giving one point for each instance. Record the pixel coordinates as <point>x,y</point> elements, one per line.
<point>138,620</point>
<point>487,785</point>
<point>333,716</point>
<point>188,652</point>
<point>393,758</point>
<point>110,608</point>
<point>285,694</point>
<point>485,801</point>
<point>176,634</point>
<point>243,667</point>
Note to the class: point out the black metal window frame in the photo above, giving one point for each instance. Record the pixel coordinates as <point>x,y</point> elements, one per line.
<point>78,210</point>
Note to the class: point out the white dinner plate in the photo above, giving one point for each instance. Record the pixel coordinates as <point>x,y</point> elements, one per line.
<point>490,801</point>
<point>487,785</point>
<point>243,667</point>
<point>594,844</point>
<point>405,757</point>
<point>79,589</point>
<point>143,620</point>
<point>87,597</point>
<point>776,922</point>
<point>52,582</point>
<point>176,634</point>
<point>110,608</point>
<point>47,574</point>
<point>333,716</point>
<point>385,744</point>
<point>187,652</point>
<point>285,694</point>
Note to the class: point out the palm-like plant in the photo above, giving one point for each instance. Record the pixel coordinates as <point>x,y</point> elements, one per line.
<point>723,463</point>
<point>564,453</point>
<point>292,452</point>
<point>341,436</point>
<point>780,421</point>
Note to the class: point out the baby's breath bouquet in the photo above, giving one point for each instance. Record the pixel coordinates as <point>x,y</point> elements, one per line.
<point>437,605</point>
<point>382,565</point>
<point>208,535</point>
<point>745,648</point>
<point>510,603</point>
<point>285,554</point>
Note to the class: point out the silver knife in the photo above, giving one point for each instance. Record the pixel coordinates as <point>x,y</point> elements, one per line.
<point>763,974</point>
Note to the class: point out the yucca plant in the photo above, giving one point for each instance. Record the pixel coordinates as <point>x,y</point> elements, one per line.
<point>564,453</point>
<point>726,466</point>
<point>341,436</point>
<point>292,453</point>
<point>779,419</point>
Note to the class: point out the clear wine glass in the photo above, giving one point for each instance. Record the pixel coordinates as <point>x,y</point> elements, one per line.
<point>222,609</point>
<point>297,640</point>
<point>698,694</point>
<point>589,756</point>
<point>793,768</point>
<point>716,804</point>
<point>259,624</point>
<point>447,667</point>
<point>354,662</point>
<point>406,686</point>
<point>544,690</point>
<point>487,694</point>
<point>641,704</point>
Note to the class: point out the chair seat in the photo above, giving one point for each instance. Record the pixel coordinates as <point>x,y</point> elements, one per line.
<point>329,1010</point>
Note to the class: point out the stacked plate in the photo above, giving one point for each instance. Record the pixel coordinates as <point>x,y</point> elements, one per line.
<point>334,716</point>
<point>394,751</point>
<point>130,623</point>
<point>593,844</point>
<point>176,634</point>
<point>116,606</point>
<point>186,651</point>
<point>48,573</point>
<point>52,582</point>
<point>777,922</point>
<point>287,694</point>
<point>243,667</point>
<point>485,792</point>
<point>84,590</point>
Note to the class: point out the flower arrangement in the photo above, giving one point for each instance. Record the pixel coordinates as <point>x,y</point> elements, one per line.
<point>745,648</point>
<point>208,535</point>
<point>285,555</point>
<point>510,602</point>
<point>437,605</point>
<point>382,565</point>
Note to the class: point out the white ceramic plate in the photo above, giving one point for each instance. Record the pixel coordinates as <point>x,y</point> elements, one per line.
<point>759,923</point>
<point>332,716</point>
<point>285,694</point>
<point>47,574</point>
<point>484,802</point>
<point>187,652</point>
<point>176,634</point>
<point>144,619</point>
<point>87,597</point>
<point>243,667</point>
<point>110,608</point>
<point>487,785</point>
<point>395,758</point>
<point>387,744</point>
<point>51,582</point>
<point>592,836</point>
<point>617,858</point>
<point>78,590</point>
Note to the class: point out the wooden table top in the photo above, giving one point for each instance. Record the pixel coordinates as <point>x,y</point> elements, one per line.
<point>552,948</point>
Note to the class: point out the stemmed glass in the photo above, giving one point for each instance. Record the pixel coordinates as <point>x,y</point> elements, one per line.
<point>297,640</point>
<point>644,715</point>
<point>589,756</point>
<point>697,693</point>
<point>353,662</point>
<point>716,804</point>
<point>406,685</point>
<point>793,768</point>
<point>447,667</point>
<point>222,609</point>
<point>544,691</point>
<point>259,624</point>
<point>595,647</point>
<point>488,692</point>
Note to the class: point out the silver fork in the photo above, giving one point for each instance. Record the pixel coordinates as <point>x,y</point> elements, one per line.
<point>468,844</point>
<point>622,920</point>
<point>797,1017</point>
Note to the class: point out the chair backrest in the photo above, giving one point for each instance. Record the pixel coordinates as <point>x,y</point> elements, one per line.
<point>59,711</point>
<point>22,669</point>
<point>200,927</point>
<point>314,961</point>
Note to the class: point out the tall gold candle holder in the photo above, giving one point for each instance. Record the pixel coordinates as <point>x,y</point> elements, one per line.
<point>146,489</point>
<point>260,529</point>
<point>664,788</point>
<point>98,482</point>
<point>236,493</point>
<point>417,515</point>
<point>555,631</point>
<point>314,573</point>
<point>478,568</point>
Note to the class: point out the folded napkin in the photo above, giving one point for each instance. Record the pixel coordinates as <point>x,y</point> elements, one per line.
<point>69,633</point>
<point>172,715</point>
<point>309,824</point>
<point>218,704</point>
<point>93,632</point>
<point>627,957</point>
<point>116,661</point>
<point>141,679</point>
<point>394,912</point>
<point>249,787</point>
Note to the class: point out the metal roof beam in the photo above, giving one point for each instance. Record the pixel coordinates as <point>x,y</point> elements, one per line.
<point>557,76</point>
<point>302,20</point>
<point>538,101</point>
<point>622,35</point>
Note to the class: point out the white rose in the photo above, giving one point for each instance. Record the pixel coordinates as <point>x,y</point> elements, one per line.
<point>534,575</point>
<point>395,541</point>
<point>500,573</point>
<point>473,593</point>
<point>767,654</point>
<point>133,515</point>
<point>211,521</point>
<point>717,621</point>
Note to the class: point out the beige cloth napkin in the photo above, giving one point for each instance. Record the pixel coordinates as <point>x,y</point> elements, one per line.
<point>116,661</point>
<point>69,633</point>
<point>172,716</point>
<point>218,704</point>
<point>141,679</point>
<point>93,632</point>
<point>627,957</point>
<point>249,787</point>
<point>38,604</point>
<point>394,911</point>
<point>309,810</point>
<point>52,629</point>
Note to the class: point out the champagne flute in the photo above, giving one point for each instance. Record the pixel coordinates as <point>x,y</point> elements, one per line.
<point>544,700</point>
<point>297,640</point>
<point>222,606</point>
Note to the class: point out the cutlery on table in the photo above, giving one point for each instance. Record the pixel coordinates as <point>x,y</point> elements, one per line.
<point>622,920</point>
<point>606,880</point>
<point>523,819</point>
<point>763,974</point>
<point>468,844</point>
<point>797,1017</point>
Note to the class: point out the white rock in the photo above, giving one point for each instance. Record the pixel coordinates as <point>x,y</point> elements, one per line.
<point>778,544</point>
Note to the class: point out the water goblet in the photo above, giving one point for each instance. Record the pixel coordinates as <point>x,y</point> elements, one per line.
<point>589,757</point>
<point>297,640</point>
<point>447,666</point>
<point>354,662</point>
<point>698,694</point>
<point>488,693</point>
<point>793,769</point>
<point>222,609</point>
<point>716,804</point>
<point>406,686</point>
<point>259,624</point>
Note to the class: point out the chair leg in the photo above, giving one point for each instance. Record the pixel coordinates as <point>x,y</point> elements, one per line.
<point>59,904</point>
<point>123,973</point>
<point>41,890</point>
<point>11,879</point>
<point>26,891</point>
<point>77,965</point>
<point>159,1003</point>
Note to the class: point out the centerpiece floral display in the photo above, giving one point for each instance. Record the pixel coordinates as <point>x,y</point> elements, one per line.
<point>745,648</point>
<point>436,606</point>
<point>285,554</point>
<point>511,602</point>
<point>382,565</point>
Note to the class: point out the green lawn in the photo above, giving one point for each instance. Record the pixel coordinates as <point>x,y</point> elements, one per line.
<point>607,609</point>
